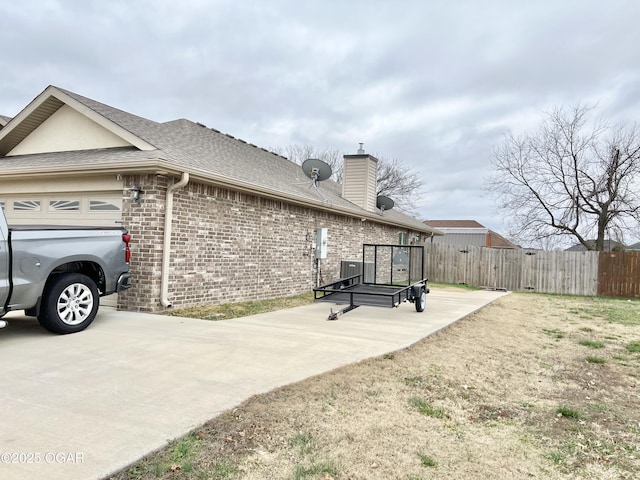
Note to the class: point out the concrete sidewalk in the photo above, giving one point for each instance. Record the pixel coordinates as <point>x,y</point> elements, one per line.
<point>86,405</point>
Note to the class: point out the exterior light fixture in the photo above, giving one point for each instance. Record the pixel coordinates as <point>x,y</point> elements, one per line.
<point>135,195</point>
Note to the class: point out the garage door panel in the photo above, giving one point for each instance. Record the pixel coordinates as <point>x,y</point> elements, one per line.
<point>77,210</point>
<point>72,209</point>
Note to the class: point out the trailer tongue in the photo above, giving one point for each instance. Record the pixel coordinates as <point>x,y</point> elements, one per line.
<point>390,275</point>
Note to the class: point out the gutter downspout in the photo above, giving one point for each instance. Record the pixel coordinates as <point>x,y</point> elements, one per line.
<point>166,249</point>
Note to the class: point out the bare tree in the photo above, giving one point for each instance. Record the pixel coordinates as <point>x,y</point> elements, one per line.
<point>395,180</point>
<point>400,183</point>
<point>573,178</point>
<point>299,153</point>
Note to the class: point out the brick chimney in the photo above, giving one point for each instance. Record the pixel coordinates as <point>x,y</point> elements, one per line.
<point>359,179</point>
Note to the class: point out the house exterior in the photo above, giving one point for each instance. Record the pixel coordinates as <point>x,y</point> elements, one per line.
<point>634,247</point>
<point>213,218</point>
<point>468,233</point>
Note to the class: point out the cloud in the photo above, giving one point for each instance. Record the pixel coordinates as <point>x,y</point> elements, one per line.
<point>435,84</point>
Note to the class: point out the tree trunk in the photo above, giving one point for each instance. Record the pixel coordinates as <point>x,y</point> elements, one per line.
<point>602,229</point>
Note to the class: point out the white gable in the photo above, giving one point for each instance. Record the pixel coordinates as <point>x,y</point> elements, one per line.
<point>67,130</point>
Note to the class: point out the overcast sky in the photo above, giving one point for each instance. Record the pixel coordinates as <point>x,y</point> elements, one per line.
<point>433,83</point>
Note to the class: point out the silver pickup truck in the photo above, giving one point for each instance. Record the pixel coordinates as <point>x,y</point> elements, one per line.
<point>57,274</point>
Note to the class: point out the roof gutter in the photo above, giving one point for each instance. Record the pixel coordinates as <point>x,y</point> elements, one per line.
<point>166,251</point>
<point>162,166</point>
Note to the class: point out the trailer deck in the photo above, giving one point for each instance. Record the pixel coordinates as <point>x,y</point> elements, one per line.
<point>392,274</point>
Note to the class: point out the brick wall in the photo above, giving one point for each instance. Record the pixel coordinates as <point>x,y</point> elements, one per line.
<point>229,246</point>
<point>145,222</point>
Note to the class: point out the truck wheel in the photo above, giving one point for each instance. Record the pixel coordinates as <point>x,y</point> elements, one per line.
<point>69,304</point>
<point>421,300</point>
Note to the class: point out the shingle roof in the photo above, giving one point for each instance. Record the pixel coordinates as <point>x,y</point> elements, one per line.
<point>193,146</point>
<point>634,247</point>
<point>200,150</point>
<point>454,224</point>
<point>110,157</point>
<point>498,241</point>
<point>472,228</point>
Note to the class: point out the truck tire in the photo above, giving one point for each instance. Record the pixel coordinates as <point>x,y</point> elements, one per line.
<point>420,300</point>
<point>69,304</point>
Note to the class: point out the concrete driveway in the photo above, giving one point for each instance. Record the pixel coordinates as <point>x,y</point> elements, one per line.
<point>86,405</point>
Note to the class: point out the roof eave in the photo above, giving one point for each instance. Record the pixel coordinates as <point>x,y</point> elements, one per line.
<point>163,167</point>
<point>303,201</point>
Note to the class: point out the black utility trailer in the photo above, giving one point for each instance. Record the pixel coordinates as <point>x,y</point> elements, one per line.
<point>389,275</point>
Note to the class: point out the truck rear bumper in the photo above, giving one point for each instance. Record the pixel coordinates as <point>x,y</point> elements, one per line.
<point>123,282</point>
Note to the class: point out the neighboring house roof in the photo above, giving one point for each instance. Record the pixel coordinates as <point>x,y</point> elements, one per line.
<point>498,241</point>
<point>609,245</point>
<point>469,232</point>
<point>634,247</point>
<point>454,224</point>
<point>3,121</point>
<point>175,147</point>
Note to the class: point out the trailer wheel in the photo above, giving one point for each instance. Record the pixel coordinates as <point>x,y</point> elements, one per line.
<point>420,300</point>
<point>69,304</point>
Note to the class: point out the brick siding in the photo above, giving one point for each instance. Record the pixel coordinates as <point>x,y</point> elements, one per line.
<point>230,246</point>
<point>145,223</point>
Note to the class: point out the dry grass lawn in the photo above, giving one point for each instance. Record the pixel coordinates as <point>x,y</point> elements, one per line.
<point>532,386</point>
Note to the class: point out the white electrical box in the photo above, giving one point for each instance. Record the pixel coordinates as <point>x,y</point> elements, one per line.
<point>321,243</point>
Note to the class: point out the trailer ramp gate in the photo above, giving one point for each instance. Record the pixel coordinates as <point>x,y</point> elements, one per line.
<point>389,275</point>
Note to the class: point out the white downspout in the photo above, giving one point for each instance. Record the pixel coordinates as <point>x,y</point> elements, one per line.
<point>166,249</point>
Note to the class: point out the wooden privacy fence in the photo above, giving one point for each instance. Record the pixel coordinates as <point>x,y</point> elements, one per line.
<point>613,274</point>
<point>619,274</point>
<point>571,273</point>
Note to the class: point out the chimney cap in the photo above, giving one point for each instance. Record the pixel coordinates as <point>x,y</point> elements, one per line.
<point>361,149</point>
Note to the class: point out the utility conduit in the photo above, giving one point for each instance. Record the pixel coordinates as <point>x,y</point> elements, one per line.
<point>166,249</point>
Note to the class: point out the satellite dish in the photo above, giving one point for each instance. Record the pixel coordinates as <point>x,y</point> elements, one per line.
<point>384,203</point>
<point>316,170</point>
